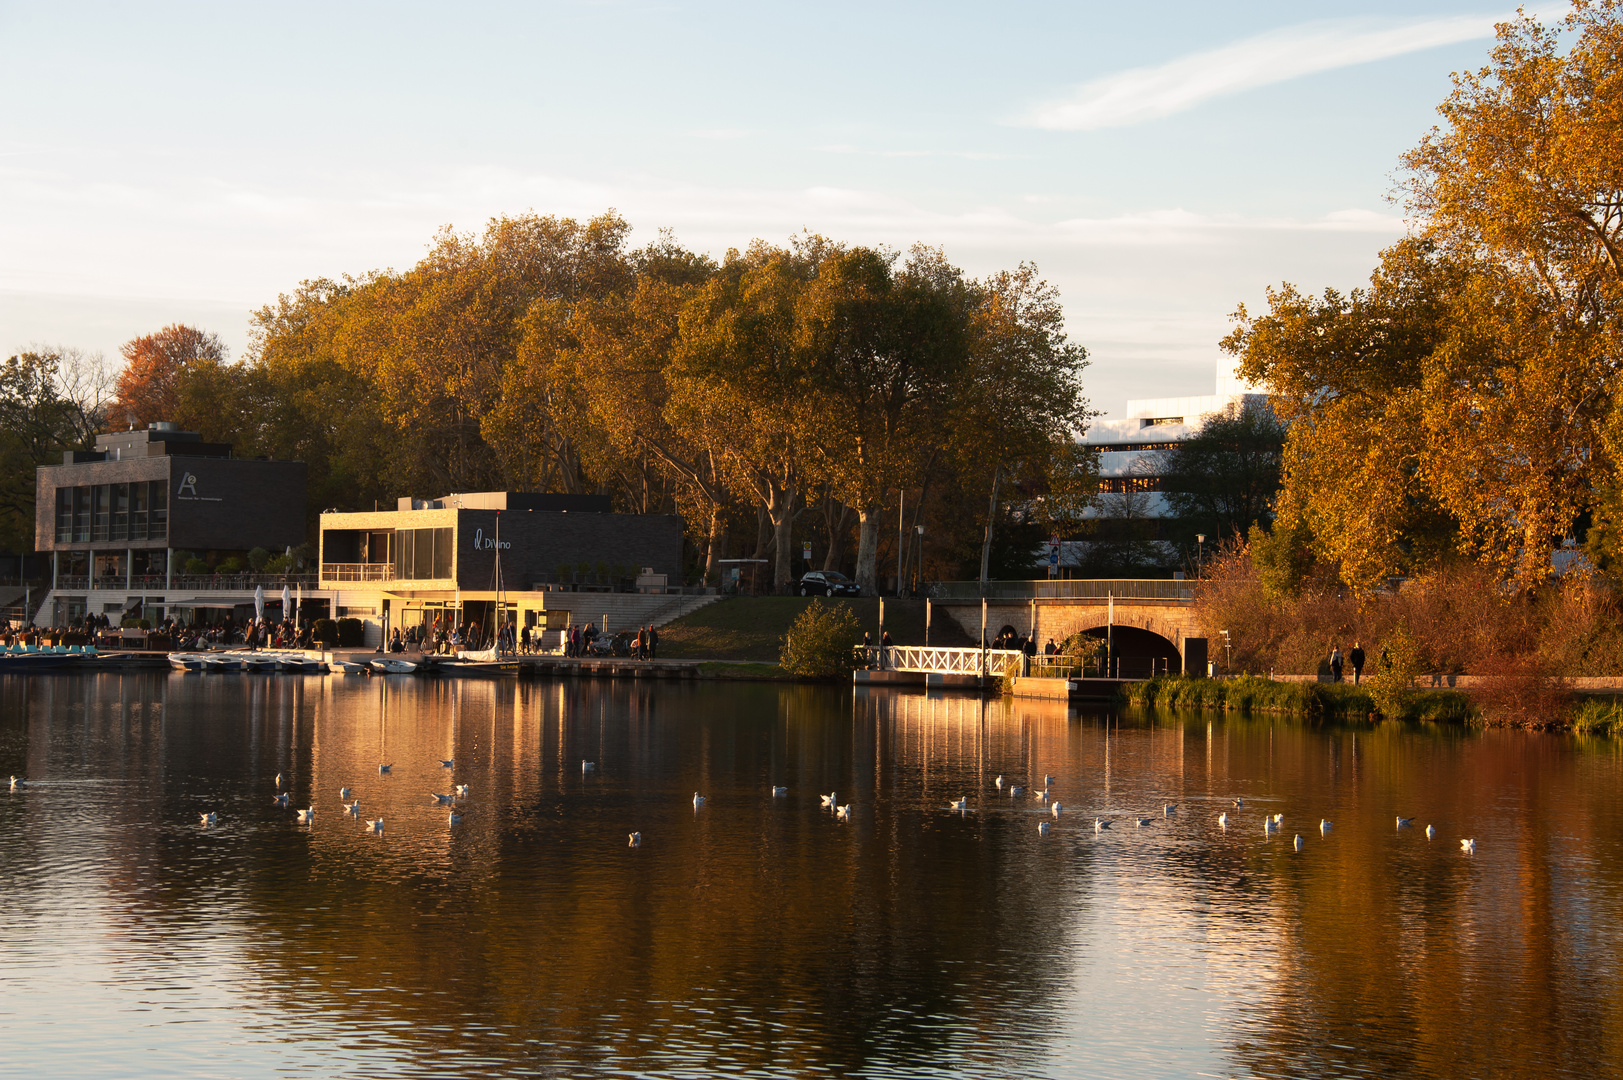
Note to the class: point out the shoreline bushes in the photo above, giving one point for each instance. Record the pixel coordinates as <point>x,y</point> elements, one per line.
<point>1253,694</point>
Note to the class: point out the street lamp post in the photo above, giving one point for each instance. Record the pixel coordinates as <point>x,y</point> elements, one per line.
<point>1200,552</point>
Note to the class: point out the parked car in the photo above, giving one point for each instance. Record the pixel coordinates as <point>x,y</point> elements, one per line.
<point>827,583</point>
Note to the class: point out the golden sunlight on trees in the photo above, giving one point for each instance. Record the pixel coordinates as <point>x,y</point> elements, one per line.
<point>156,366</point>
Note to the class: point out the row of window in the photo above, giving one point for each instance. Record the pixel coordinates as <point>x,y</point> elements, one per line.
<point>423,554</point>
<point>106,512</point>
<point>1121,485</point>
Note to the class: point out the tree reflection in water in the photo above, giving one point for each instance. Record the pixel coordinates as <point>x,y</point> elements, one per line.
<point>759,935</point>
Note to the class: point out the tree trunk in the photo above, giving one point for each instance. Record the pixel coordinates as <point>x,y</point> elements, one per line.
<point>868,550</point>
<point>838,526</point>
<point>716,540</point>
<point>991,518</point>
<point>783,523</point>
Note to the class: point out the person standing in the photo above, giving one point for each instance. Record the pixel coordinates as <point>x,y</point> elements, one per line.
<point>653,642</point>
<point>1335,662</point>
<point>1356,658</point>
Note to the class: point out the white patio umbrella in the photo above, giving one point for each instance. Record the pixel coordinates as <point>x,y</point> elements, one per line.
<point>287,604</point>
<point>259,601</point>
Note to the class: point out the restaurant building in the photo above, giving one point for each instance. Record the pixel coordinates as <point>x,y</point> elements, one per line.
<point>111,520</point>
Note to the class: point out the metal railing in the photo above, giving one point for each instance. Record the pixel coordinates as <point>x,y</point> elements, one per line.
<point>1062,589</point>
<point>355,571</point>
<point>939,661</point>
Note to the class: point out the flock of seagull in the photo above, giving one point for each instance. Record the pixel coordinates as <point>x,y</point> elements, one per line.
<point>1271,823</point>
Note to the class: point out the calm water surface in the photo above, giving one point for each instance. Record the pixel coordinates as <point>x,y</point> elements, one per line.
<point>760,936</point>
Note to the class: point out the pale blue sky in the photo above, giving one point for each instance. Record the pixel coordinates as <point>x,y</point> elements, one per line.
<point>1160,163</point>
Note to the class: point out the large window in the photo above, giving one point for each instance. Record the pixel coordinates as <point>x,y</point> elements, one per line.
<point>121,512</point>
<point>138,511</point>
<point>111,512</point>
<point>101,512</point>
<point>423,554</point>
<point>158,510</point>
<point>64,515</point>
<point>81,515</point>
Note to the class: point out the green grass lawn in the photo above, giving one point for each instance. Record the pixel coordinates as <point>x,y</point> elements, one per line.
<point>752,627</point>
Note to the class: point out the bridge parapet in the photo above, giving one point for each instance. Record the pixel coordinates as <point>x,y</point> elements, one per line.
<point>940,661</point>
<point>1065,589</point>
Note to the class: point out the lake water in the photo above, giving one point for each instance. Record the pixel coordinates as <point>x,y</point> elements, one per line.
<point>758,935</point>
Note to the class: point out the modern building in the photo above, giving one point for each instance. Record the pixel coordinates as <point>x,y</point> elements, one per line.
<point>111,520</point>
<point>559,557</point>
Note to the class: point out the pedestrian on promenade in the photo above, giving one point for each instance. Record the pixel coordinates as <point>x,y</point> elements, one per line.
<point>653,642</point>
<point>641,652</point>
<point>1050,649</point>
<point>1356,658</point>
<point>1335,663</point>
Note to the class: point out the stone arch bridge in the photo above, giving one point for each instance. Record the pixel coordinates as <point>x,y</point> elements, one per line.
<point>1144,618</point>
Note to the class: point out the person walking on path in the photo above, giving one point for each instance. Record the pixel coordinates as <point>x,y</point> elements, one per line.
<point>1356,658</point>
<point>1335,663</point>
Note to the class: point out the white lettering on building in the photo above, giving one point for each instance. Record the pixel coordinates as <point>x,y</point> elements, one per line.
<point>482,544</point>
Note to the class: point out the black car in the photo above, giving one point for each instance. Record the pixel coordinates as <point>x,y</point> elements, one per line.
<point>827,583</point>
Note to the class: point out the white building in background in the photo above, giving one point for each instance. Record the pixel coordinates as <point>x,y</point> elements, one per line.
<point>1131,449</point>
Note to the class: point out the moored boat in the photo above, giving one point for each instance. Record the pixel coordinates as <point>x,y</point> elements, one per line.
<point>187,661</point>
<point>390,666</point>
<point>347,667</point>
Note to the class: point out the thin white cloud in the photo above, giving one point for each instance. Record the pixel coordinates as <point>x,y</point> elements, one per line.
<point>1148,93</point>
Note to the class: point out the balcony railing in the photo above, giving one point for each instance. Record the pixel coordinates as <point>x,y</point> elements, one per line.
<point>1072,589</point>
<point>156,583</point>
<point>356,571</point>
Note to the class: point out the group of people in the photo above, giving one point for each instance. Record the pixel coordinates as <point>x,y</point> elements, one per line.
<point>1355,657</point>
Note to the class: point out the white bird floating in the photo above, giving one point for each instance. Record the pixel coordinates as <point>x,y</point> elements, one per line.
<point>1169,809</point>
<point>1239,804</point>
<point>1143,821</point>
<point>1100,824</point>
<point>1279,819</point>
<point>1016,791</point>
<point>636,840</point>
<point>1056,808</point>
<point>1405,822</point>
<point>999,782</point>
<point>830,799</point>
<point>1223,819</point>
<point>354,808</point>
<point>1043,828</point>
<point>1431,831</point>
<point>447,763</point>
<point>698,800</point>
<point>1325,825</point>
<point>1041,796</point>
<point>588,766</point>
<point>1468,846</point>
<point>280,800</point>
<point>455,818</point>
<point>1048,781</point>
<point>278,779</point>
<point>307,816</point>
<point>383,769</point>
<point>17,782</point>
<point>1298,842</point>
<point>779,792</point>
<point>343,793</point>
<point>209,818</point>
<point>461,791</point>
<point>443,800</point>
<point>961,803</point>
<point>843,813</point>
<point>1268,826</point>
<point>375,826</point>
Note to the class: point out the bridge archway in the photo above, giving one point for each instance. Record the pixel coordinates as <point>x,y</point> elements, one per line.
<point>1140,651</point>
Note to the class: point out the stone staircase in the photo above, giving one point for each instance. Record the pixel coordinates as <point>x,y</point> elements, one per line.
<point>626,611</point>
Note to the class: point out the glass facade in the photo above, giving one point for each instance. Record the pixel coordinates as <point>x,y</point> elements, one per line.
<point>113,512</point>
<point>423,554</point>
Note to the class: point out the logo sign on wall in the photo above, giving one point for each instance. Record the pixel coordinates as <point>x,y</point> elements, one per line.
<point>187,491</point>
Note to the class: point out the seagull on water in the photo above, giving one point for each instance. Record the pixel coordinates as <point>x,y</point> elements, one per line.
<point>1279,819</point>
<point>588,766</point>
<point>1325,825</point>
<point>1016,791</point>
<point>1223,819</point>
<point>17,782</point>
<point>354,808</point>
<point>1041,796</point>
<point>1043,828</point>
<point>384,768</point>
<point>1405,822</point>
<point>461,791</point>
<point>1048,781</point>
<point>306,817</point>
<point>278,779</point>
<point>455,818</point>
<point>960,803</point>
<point>1431,831</point>
<point>1143,821</point>
<point>443,800</point>
<point>1056,808</point>
<point>1169,809</point>
<point>698,800</point>
<point>830,799</point>
<point>843,813</point>
<point>1100,824</point>
<point>1298,842</point>
<point>375,826</point>
<point>209,818</point>
<point>446,763</point>
<point>636,840</point>
<point>1268,826</point>
<point>343,793</point>
<point>999,782</point>
<point>1468,846</point>
<point>779,792</point>
<point>1239,804</point>
<point>280,799</point>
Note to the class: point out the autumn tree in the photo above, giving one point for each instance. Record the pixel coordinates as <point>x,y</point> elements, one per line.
<point>149,387</point>
<point>51,400</point>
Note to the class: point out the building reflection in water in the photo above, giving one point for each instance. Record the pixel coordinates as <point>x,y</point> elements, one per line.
<point>759,935</point>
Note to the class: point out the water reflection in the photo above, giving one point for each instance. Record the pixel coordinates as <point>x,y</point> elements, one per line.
<point>758,935</point>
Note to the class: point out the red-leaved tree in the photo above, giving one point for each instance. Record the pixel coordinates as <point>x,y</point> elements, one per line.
<point>149,386</point>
